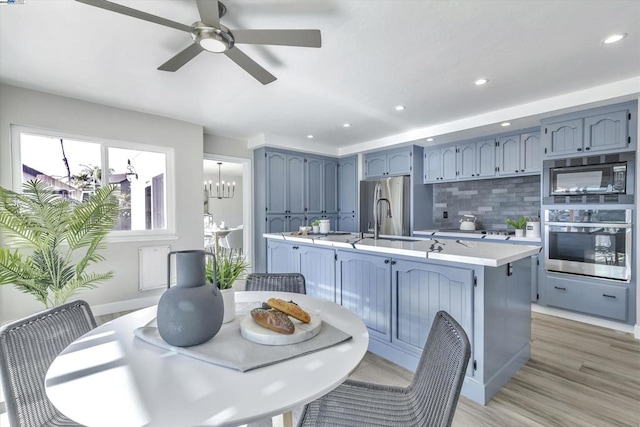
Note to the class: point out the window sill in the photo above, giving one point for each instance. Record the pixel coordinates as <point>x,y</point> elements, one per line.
<point>143,237</point>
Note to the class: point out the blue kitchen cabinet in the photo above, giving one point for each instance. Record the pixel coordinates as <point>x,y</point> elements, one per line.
<point>519,154</point>
<point>284,223</point>
<point>467,160</point>
<point>603,130</point>
<point>363,282</point>
<point>318,266</point>
<point>347,193</point>
<point>282,257</point>
<point>322,185</point>
<point>440,164</point>
<point>382,164</point>
<point>419,291</point>
<point>486,158</point>
<point>285,191</point>
<point>476,159</point>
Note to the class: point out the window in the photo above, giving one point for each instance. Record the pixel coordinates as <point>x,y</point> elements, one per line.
<point>74,168</point>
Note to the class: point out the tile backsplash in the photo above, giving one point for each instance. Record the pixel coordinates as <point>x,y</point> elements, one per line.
<point>492,201</point>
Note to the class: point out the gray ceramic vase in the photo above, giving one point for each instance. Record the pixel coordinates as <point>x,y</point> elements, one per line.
<point>191,312</point>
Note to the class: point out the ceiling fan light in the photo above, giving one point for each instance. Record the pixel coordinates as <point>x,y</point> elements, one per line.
<point>212,43</point>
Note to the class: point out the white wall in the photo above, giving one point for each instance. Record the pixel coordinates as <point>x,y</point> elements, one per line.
<point>46,111</point>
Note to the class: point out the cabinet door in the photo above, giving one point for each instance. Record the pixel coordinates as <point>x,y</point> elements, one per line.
<point>432,166</point>
<point>530,152</point>
<point>347,222</point>
<point>509,155</point>
<point>276,224</point>
<point>294,222</point>
<point>364,286</point>
<point>330,186</point>
<point>282,257</point>
<point>347,185</point>
<point>563,138</point>
<point>276,183</point>
<point>375,165</point>
<point>314,185</point>
<point>399,162</point>
<point>467,160</point>
<point>295,184</point>
<point>448,167</point>
<point>318,266</point>
<point>419,291</point>
<point>486,154</point>
<point>606,132</point>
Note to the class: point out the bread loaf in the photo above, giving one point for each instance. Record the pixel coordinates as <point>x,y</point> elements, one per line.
<point>274,320</point>
<point>290,309</point>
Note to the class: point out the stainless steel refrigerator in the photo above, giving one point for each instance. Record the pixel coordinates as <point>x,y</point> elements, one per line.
<point>396,191</point>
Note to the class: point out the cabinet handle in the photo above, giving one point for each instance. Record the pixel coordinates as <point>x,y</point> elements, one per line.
<point>609,296</point>
<point>521,170</point>
<point>587,148</point>
<point>386,261</point>
<point>560,288</point>
<point>393,263</point>
<point>579,149</point>
<point>296,247</point>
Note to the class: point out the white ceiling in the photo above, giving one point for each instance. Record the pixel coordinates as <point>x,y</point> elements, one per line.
<point>375,54</point>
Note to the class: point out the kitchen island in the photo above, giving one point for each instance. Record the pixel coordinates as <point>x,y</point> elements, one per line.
<point>396,285</point>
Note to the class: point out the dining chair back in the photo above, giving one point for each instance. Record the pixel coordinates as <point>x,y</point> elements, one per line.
<point>277,282</point>
<point>27,349</point>
<point>233,242</point>
<point>430,399</point>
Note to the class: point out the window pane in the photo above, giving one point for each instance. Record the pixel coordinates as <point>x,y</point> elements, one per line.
<point>141,177</point>
<point>71,167</point>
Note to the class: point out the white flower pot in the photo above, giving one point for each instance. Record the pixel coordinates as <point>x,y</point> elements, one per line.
<point>229,303</point>
<point>519,232</point>
<point>316,229</point>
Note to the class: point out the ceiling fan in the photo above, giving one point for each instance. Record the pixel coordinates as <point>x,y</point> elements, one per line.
<point>209,35</point>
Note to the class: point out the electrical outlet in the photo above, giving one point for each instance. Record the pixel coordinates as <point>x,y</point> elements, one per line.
<point>445,214</point>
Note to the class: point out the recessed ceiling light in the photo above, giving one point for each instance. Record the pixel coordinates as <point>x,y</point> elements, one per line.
<point>429,139</point>
<point>505,124</point>
<point>614,38</point>
<point>346,125</point>
<point>481,82</point>
<point>400,107</point>
<point>310,136</point>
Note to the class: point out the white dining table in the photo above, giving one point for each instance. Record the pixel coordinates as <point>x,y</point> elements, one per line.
<point>109,377</point>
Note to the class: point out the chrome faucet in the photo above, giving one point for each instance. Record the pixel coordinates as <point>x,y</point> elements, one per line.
<point>377,199</point>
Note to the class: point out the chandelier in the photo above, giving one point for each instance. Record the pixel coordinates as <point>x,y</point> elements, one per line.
<point>223,190</point>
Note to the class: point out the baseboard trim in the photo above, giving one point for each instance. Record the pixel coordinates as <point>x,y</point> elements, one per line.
<point>116,307</point>
<point>622,327</point>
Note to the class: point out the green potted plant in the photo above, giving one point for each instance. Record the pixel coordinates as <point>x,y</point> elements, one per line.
<point>49,240</point>
<point>519,224</point>
<point>316,226</point>
<point>229,267</point>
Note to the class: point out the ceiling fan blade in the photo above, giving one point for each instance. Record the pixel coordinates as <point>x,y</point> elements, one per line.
<point>302,38</point>
<point>181,58</point>
<point>209,12</point>
<point>250,66</point>
<point>114,7</point>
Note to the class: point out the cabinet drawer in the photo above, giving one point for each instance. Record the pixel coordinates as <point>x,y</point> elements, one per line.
<point>590,298</point>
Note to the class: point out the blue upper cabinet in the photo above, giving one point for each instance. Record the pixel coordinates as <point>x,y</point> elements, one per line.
<point>347,193</point>
<point>322,185</point>
<point>604,130</point>
<point>470,160</point>
<point>285,183</point>
<point>388,163</point>
<point>519,154</point>
<point>486,158</point>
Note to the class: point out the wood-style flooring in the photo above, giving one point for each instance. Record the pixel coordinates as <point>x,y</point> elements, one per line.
<point>578,375</point>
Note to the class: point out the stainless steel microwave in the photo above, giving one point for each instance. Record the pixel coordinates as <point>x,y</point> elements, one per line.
<point>595,179</point>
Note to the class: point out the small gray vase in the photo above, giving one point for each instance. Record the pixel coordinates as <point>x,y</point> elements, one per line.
<point>191,312</point>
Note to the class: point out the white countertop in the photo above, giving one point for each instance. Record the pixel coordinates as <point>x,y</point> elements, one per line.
<point>476,236</point>
<point>491,254</point>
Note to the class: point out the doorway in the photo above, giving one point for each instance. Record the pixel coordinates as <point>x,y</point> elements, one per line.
<point>229,203</point>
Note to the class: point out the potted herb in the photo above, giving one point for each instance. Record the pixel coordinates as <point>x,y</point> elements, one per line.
<point>228,269</point>
<point>316,226</point>
<point>49,240</point>
<point>519,224</point>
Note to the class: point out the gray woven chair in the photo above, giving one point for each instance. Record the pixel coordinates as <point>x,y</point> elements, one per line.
<point>27,349</point>
<point>430,399</point>
<point>277,282</point>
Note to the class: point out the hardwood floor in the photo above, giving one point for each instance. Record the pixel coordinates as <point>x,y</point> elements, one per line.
<point>578,375</point>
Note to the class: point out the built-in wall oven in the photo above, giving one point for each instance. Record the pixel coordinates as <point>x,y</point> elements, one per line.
<point>590,242</point>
